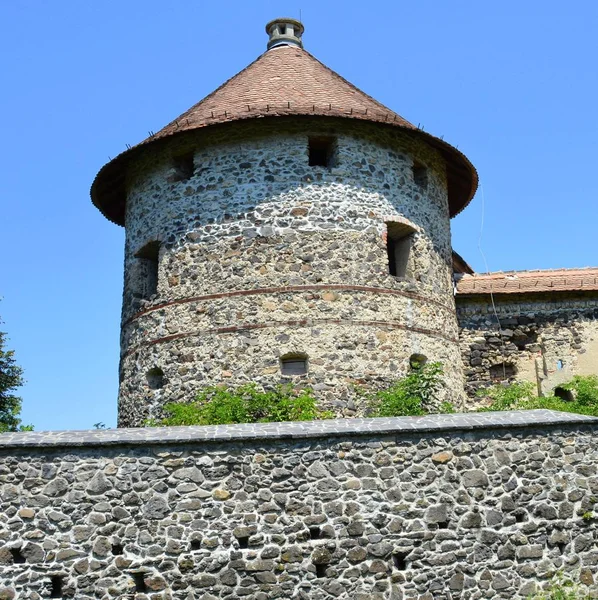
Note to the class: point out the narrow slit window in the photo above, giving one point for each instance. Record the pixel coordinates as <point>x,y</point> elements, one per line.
<point>148,261</point>
<point>184,166</point>
<point>139,580</point>
<point>293,364</point>
<point>420,175</point>
<point>56,587</point>
<point>399,240</point>
<point>321,151</point>
<point>321,570</point>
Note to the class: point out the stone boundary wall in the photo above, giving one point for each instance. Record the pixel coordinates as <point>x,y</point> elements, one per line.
<point>486,505</point>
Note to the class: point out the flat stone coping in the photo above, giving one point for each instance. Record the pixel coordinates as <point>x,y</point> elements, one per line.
<point>293,430</point>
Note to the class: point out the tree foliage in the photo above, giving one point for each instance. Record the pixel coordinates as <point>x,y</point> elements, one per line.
<point>11,377</point>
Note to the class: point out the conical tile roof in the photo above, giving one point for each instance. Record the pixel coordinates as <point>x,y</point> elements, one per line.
<point>284,81</point>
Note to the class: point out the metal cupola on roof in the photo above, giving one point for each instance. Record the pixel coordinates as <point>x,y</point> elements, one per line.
<point>286,228</point>
<point>284,32</point>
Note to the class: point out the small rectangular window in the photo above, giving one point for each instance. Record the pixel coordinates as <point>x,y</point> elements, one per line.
<point>293,365</point>
<point>321,151</point>
<point>399,240</point>
<point>184,166</point>
<point>147,259</point>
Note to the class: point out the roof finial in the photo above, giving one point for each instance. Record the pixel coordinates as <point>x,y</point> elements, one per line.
<point>284,32</point>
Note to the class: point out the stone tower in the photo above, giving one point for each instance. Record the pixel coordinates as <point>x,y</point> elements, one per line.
<point>288,227</point>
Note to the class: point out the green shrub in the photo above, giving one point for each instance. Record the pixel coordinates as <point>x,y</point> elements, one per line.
<point>220,405</point>
<point>415,394</point>
<point>507,397</point>
<point>521,396</point>
<point>585,389</point>
<point>561,588</point>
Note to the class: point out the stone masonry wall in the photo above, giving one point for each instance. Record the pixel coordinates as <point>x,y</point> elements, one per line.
<point>464,507</point>
<point>264,256</point>
<point>545,339</point>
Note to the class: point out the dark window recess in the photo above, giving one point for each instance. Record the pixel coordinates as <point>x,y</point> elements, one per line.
<point>416,361</point>
<point>399,239</point>
<point>155,378</point>
<point>321,152</point>
<point>17,556</point>
<point>502,371</point>
<point>139,580</point>
<point>243,542</point>
<point>314,533</point>
<point>195,544</point>
<point>420,175</point>
<point>117,549</point>
<point>183,166</point>
<point>399,561</point>
<point>293,365</point>
<point>148,269</point>
<point>563,394</point>
<point>56,587</point>
<point>321,570</point>
<point>561,546</point>
<point>520,516</point>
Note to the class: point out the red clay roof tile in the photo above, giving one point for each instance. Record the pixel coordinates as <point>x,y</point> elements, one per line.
<point>284,81</point>
<point>527,282</point>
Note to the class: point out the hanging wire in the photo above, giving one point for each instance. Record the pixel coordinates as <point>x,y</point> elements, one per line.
<point>502,339</point>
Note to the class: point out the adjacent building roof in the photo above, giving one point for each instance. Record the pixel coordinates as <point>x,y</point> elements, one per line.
<point>284,81</point>
<point>528,282</point>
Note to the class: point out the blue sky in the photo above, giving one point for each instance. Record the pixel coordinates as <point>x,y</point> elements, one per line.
<point>513,84</point>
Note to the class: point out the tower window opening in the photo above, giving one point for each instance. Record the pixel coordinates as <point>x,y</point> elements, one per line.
<point>321,151</point>
<point>417,361</point>
<point>155,378</point>
<point>148,261</point>
<point>559,365</point>
<point>399,239</point>
<point>321,570</point>
<point>184,166</point>
<point>17,556</point>
<point>243,542</point>
<point>399,561</point>
<point>420,175</point>
<point>117,549</point>
<point>139,581</point>
<point>293,364</point>
<point>56,586</point>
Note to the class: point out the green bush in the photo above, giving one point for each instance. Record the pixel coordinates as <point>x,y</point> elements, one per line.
<point>521,396</point>
<point>220,405</point>
<point>415,394</point>
<point>561,588</point>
